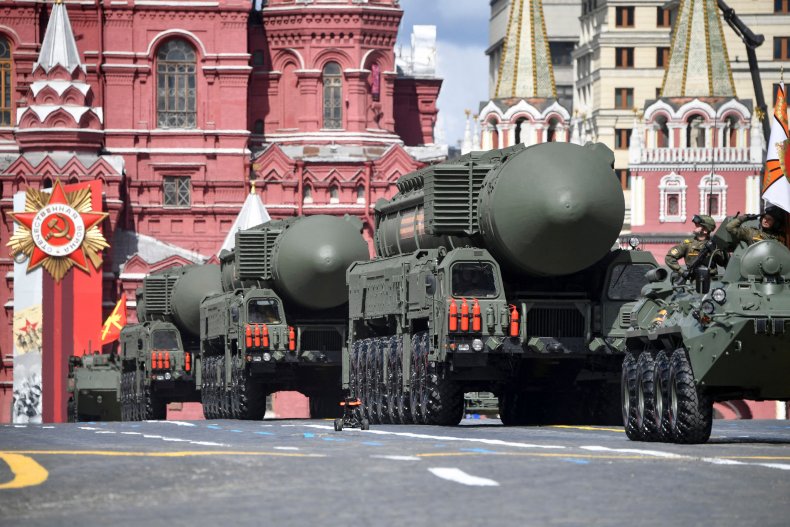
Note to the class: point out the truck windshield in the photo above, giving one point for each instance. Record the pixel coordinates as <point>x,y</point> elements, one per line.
<point>627,281</point>
<point>165,339</point>
<point>473,279</point>
<point>263,311</point>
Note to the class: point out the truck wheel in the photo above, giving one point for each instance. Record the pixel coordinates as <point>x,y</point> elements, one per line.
<point>224,394</point>
<point>365,424</point>
<point>384,380</point>
<point>205,387</point>
<point>661,384</point>
<point>365,378</point>
<point>375,381</point>
<point>417,384</point>
<point>628,398</point>
<point>646,397</point>
<point>445,406</point>
<point>511,408</point>
<point>690,410</point>
<point>124,397</point>
<point>392,382</point>
<point>71,411</point>
<point>338,425</point>
<point>155,407</point>
<point>403,398</point>
<point>252,400</point>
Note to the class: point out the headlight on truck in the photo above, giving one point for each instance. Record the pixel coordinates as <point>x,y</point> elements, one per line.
<point>719,295</point>
<point>707,307</point>
<point>477,345</point>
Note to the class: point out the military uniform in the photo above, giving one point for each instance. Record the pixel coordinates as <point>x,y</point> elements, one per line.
<point>751,235</point>
<point>689,250</point>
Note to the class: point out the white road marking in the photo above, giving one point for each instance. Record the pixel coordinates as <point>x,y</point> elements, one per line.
<point>89,428</point>
<point>286,448</point>
<point>459,476</point>
<point>152,436</point>
<point>175,439</point>
<point>493,442</point>
<point>105,432</point>
<point>20,426</point>
<point>637,451</point>
<point>177,423</point>
<point>669,455</point>
<point>780,466</point>
<point>132,433</point>
<point>47,427</point>
<point>206,443</point>
<point>399,458</point>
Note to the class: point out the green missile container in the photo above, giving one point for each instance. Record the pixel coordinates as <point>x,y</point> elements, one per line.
<point>547,210</point>
<point>304,259</point>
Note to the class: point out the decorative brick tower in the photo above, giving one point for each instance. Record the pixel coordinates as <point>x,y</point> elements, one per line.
<point>335,124</point>
<point>697,151</point>
<point>524,106</point>
<point>59,135</point>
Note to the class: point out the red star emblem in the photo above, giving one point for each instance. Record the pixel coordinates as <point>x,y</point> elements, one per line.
<point>58,229</point>
<point>29,326</point>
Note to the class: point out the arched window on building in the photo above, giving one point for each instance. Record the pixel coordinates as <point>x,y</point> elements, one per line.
<point>307,194</point>
<point>521,128</point>
<point>672,192</point>
<point>375,81</point>
<point>713,196</point>
<point>176,80</point>
<point>730,132</point>
<point>551,132</point>
<point>361,194</point>
<point>695,133</point>
<point>334,194</point>
<point>5,82</point>
<point>662,132</point>
<point>333,95</point>
<point>492,129</point>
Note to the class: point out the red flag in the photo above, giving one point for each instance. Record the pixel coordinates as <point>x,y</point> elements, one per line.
<point>115,322</point>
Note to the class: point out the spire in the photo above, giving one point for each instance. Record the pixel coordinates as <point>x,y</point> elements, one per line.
<point>59,46</point>
<point>466,146</point>
<point>253,212</point>
<point>698,64</point>
<point>525,66</point>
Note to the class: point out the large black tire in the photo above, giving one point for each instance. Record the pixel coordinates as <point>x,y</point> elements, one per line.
<point>252,398</point>
<point>383,380</point>
<point>661,384</point>
<point>690,410</point>
<point>646,397</point>
<point>374,351</point>
<point>155,406</point>
<point>417,388</point>
<point>71,411</point>
<point>225,405</point>
<point>628,399</point>
<point>124,396</point>
<point>403,400</point>
<point>205,387</point>
<point>445,406</point>
<point>366,378</point>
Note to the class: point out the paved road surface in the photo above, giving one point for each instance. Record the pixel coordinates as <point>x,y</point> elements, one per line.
<point>302,472</point>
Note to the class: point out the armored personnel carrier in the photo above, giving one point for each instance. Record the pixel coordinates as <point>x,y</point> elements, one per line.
<point>159,353</point>
<point>94,386</point>
<point>691,342</point>
<point>280,322</point>
<point>495,272</point>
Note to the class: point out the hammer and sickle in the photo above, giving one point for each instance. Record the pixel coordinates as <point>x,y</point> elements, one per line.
<point>56,230</point>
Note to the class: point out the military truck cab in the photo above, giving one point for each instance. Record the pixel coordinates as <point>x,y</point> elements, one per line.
<point>94,388</point>
<point>157,369</point>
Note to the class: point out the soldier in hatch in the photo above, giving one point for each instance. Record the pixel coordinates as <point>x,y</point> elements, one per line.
<point>771,222</point>
<point>690,248</point>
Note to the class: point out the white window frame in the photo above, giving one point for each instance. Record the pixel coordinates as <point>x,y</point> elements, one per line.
<point>719,187</point>
<point>670,184</point>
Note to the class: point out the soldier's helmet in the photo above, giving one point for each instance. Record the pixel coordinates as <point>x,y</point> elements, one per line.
<point>705,221</point>
<point>777,214</point>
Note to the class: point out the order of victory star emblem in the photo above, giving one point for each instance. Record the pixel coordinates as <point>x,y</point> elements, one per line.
<point>59,231</point>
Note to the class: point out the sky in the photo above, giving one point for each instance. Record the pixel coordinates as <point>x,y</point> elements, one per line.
<point>462,38</point>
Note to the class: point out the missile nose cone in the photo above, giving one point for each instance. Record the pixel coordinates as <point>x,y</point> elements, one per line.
<point>328,260</point>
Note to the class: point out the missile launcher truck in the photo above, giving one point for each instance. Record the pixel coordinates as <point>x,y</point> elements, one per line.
<point>93,383</point>
<point>692,341</point>
<point>495,272</point>
<point>280,322</point>
<point>159,354</point>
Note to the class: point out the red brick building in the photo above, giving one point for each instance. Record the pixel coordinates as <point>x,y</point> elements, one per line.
<point>177,105</point>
